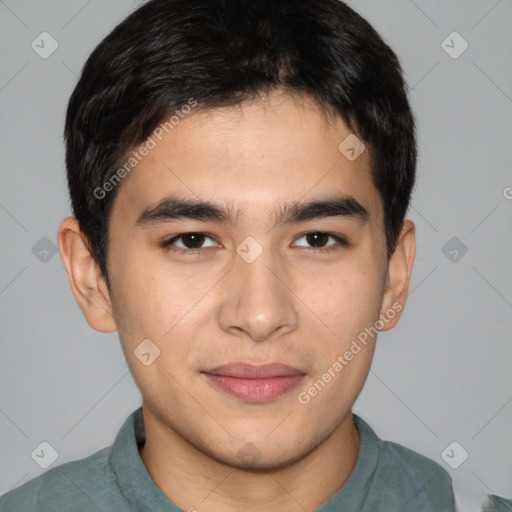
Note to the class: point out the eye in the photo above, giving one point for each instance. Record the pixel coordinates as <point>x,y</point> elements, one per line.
<point>193,242</point>
<point>190,243</point>
<point>319,241</point>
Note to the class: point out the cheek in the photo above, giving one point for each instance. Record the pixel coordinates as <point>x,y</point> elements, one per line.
<point>155,305</point>
<point>171,306</point>
<point>347,301</point>
<point>151,297</point>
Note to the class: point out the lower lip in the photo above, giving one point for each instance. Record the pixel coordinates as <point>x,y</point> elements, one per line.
<point>255,390</point>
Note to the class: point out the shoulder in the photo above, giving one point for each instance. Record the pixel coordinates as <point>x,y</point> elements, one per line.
<point>408,466</point>
<point>496,503</point>
<point>416,481</point>
<point>76,486</point>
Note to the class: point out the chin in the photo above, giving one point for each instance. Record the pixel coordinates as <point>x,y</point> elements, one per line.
<point>260,454</point>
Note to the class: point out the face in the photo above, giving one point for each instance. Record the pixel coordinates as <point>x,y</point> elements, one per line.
<point>256,303</point>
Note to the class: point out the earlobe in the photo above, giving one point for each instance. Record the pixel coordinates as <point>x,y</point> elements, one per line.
<point>87,286</point>
<point>398,276</point>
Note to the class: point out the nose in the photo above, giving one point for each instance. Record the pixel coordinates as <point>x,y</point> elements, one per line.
<point>259,301</point>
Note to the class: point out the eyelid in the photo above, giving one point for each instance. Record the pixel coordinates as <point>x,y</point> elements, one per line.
<point>339,238</point>
<point>340,243</point>
<point>168,242</point>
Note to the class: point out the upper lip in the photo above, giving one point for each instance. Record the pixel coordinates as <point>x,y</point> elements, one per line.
<point>249,371</point>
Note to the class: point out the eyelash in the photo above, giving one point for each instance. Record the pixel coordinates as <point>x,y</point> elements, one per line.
<point>340,241</point>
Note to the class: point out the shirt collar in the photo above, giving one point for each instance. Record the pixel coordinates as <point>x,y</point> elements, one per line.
<point>139,489</point>
<point>351,495</point>
<point>134,480</point>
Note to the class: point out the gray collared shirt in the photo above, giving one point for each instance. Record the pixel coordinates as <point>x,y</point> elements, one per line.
<point>387,477</point>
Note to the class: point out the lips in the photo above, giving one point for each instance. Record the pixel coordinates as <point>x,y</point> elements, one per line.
<point>247,371</point>
<point>254,384</point>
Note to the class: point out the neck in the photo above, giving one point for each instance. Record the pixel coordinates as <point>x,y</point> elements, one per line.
<point>192,480</point>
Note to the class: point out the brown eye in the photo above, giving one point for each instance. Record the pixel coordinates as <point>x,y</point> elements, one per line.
<point>320,241</point>
<point>193,240</point>
<point>189,242</point>
<point>317,239</point>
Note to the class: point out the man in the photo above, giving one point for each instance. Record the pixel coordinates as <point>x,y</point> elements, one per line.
<point>240,172</point>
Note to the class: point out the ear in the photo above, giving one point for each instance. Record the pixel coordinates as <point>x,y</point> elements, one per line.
<point>398,276</point>
<point>88,287</point>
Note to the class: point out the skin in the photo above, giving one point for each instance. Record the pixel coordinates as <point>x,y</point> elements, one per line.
<point>293,304</point>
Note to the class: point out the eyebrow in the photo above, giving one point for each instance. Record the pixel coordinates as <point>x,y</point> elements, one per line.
<point>174,208</point>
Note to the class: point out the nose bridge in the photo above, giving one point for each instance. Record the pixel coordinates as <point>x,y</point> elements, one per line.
<point>258,301</point>
<point>257,267</point>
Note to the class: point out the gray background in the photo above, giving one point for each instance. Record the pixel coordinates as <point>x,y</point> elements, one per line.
<point>442,375</point>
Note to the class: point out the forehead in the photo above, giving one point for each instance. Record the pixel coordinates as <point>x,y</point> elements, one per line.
<point>253,157</point>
